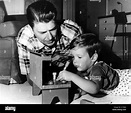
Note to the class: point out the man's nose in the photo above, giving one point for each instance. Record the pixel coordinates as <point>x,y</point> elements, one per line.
<point>49,35</point>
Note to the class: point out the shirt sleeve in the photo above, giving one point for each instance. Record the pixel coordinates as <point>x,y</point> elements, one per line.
<point>96,75</point>
<point>69,31</point>
<point>25,37</point>
<point>23,59</point>
<point>24,45</point>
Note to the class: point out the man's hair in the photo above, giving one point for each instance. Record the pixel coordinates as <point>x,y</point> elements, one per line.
<point>41,11</point>
<point>88,40</point>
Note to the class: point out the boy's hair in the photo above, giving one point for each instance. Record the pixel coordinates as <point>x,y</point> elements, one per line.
<point>40,11</point>
<point>89,40</point>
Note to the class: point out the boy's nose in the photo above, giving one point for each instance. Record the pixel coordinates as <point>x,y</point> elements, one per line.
<point>74,62</point>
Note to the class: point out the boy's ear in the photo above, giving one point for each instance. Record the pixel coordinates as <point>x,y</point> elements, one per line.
<point>94,57</point>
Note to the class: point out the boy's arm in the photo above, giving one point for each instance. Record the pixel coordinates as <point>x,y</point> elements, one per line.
<point>85,84</point>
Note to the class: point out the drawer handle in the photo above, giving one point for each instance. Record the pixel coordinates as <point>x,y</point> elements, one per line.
<point>105,21</point>
<point>105,28</point>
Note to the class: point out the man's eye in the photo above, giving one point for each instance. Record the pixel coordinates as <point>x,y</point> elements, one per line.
<point>55,28</point>
<point>43,32</point>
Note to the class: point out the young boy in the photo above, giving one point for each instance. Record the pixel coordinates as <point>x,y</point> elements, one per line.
<point>93,75</point>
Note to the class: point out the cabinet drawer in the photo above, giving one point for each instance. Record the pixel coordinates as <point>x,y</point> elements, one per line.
<point>109,29</point>
<point>128,28</point>
<point>107,21</point>
<point>106,30</point>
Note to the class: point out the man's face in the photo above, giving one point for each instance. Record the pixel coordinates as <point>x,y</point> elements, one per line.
<point>45,32</point>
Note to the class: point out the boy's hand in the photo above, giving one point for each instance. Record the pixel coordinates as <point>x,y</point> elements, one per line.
<point>64,75</point>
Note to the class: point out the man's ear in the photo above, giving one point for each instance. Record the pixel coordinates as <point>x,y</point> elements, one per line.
<point>94,57</point>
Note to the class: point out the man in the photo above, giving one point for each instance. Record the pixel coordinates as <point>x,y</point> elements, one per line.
<point>44,33</point>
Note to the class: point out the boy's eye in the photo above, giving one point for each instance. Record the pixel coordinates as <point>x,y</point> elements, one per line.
<point>79,57</point>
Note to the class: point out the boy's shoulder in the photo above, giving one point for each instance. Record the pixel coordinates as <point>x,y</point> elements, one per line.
<point>102,66</point>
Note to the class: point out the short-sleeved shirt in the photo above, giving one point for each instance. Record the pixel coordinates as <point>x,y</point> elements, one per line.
<point>26,42</point>
<point>103,75</point>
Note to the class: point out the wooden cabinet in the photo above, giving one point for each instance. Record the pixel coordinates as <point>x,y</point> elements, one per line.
<point>122,44</point>
<point>106,32</point>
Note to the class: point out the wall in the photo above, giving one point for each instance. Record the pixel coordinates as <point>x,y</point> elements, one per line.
<point>15,7</point>
<point>87,13</point>
<point>59,6</point>
<point>124,6</point>
<point>18,7</point>
<point>27,2</point>
<point>10,6</point>
<point>69,9</point>
<point>95,9</point>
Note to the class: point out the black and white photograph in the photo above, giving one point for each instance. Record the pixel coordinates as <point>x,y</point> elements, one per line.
<point>62,54</point>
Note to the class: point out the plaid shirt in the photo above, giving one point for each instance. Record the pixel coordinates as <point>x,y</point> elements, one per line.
<point>26,42</point>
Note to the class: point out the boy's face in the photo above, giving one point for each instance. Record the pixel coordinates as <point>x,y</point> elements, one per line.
<point>45,32</point>
<point>81,59</point>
